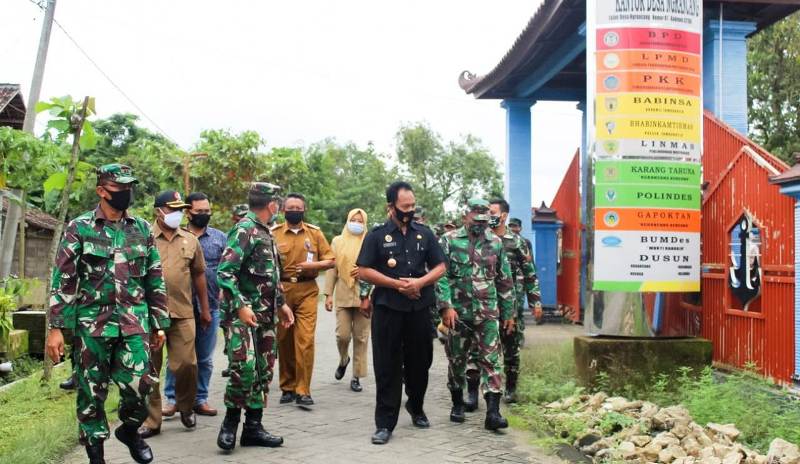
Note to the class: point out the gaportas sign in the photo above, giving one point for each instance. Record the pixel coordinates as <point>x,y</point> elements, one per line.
<point>645,80</point>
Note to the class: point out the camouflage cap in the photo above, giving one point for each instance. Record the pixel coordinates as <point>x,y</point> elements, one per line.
<point>240,209</point>
<point>116,172</point>
<point>479,206</point>
<point>515,222</point>
<point>264,189</point>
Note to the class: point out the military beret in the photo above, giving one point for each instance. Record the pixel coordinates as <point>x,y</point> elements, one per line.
<point>240,209</point>
<point>515,222</point>
<point>479,206</point>
<point>116,172</point>
<point>264,189</point>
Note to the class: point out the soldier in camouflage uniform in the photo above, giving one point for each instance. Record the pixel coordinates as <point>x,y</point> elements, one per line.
<point>249,277</point>
<point>108,288</point>
<point>476,300</point>
<point>239,211</point>
<point>525,283</point>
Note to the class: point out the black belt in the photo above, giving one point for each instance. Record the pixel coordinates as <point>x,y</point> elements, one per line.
<point>294,280</point>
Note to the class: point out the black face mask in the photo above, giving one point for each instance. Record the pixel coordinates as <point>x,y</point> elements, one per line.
<point>199,220</point>
<point>294,217</point>
<point>404,216</point>
<point>121,200</point>
<point>477,229</point>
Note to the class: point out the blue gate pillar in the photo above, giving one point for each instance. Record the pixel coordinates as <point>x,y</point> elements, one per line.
<point>546,227</point>
<point>789,182</point>
<point>725,70</point>
<point>518,161</point>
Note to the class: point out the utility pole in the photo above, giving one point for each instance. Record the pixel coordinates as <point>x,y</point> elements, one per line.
<point>14,213</point>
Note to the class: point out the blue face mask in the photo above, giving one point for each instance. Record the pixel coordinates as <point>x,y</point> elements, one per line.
<point>355,228</point>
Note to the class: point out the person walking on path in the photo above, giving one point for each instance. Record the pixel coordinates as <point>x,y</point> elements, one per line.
<point>108,288</point>
<point>212,243</point>
<point>476,300</point>
<point>304,252</point>
<point>525,283</point>
<point>249,277</point>
<point>184,269</point>
<point>350,297</point>
<point>403,260</point>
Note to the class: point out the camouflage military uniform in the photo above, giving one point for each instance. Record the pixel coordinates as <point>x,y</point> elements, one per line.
<point>525,283</point>
<point>107,286</point>
<point>249,274</point>
<point>480,287</point>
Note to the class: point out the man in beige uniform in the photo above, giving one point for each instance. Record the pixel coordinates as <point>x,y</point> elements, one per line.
<point>304,252</point>
<point>184,268</point>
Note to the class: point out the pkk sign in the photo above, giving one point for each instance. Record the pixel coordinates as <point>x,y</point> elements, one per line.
<point>646,82</point>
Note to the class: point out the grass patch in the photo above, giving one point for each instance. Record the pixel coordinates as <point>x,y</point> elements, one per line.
<point>37,422</point>
<point>23,367</point>
<point>760,410</point>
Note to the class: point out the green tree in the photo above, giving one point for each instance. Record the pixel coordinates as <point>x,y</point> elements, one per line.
<point>232,161</point>
<point>445,174</point>
<point>342,177</point>
<point>773,61</point>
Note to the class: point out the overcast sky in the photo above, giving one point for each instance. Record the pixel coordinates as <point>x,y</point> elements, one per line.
<point>296,72</point>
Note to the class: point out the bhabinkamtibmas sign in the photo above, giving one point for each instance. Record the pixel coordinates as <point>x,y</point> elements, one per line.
<point>647,138</point>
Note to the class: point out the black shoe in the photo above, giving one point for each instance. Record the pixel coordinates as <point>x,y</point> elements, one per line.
<point>188,419</point>
<point>355,385</point>
<point>340,370</point>
<point>494,420</point>
<point>511,388</point>
<point>225,372</point>
<point>381,436</point>
<point>472,394</point>
<point>304,401</point>
<point>95,453</point>
<point>288,397</point>
<point>253,433</point>
<point>419,419</point>
<point>129,436</point>
<point>68,384</point>
<point>226,439</point>
<point>457,411</point>
<point>147,432</point>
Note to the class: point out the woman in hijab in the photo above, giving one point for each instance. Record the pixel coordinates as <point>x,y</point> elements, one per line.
<point>343,290</point>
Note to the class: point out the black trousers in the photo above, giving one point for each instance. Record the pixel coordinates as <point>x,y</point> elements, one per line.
<point>402,350</point>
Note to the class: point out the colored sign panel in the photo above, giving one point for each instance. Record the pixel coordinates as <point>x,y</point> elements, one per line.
<point>645,77</point>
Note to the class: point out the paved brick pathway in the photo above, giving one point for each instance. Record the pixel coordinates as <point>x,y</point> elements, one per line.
<point>338,430</point>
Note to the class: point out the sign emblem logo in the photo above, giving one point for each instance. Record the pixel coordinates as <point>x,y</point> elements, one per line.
<point>611,60</point>
<point>611,219</point>
<point>611,146</point>
<point>611,173</point>
<point>611,83</point>
<point>611,39</point>
<point>612,103</point>
<point>611,195</point>
<point>744,275</point>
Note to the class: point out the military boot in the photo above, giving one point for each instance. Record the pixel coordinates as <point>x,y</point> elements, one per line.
<point>511,387</point>
<point>129,435</point>
<point>95,453</point>
<point>457,411</point>
<point>494,420</point>
<point>227,432</point>
<point>473,382</point>
<point>253,433</point>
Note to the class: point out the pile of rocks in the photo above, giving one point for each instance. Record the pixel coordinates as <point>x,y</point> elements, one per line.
<point>619,430</point>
